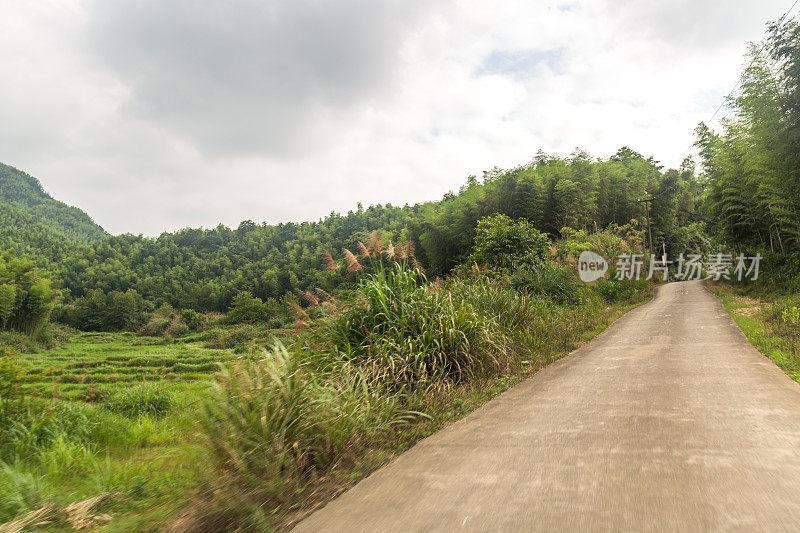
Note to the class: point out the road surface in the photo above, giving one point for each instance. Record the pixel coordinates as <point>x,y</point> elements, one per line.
<point>668,421</point>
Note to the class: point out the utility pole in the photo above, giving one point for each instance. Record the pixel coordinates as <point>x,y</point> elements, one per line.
<point>647,199</point>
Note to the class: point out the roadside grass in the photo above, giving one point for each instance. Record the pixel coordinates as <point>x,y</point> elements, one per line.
<point>762,319</point>
<point>445,405</point>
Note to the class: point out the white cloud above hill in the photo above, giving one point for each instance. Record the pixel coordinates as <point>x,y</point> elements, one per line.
<point>155,115</point>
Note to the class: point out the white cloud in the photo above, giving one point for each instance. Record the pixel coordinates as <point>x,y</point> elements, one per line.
<point>154,116</point>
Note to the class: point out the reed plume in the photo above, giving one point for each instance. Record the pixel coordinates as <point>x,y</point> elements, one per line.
<point>353,265</point>
<point>299,311</point>
<point>374,243</point>
<point>328,261</point>
<point>322,295</point>
<point>408,249</point>
<point>417,265</point>
<point>309,298</point>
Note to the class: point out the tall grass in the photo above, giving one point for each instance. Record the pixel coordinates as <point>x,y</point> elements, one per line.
<point>402,332</point>
<point>549,280</point>
<point>509,309</point>
<point>279,426</point>
<point>150,398</point>
<point>273,424</point>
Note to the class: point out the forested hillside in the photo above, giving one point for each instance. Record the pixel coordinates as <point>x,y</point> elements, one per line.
<point>205,269</point>
<point>32,222</point>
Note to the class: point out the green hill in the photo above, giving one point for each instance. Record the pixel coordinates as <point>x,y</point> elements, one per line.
<point>33,223</point>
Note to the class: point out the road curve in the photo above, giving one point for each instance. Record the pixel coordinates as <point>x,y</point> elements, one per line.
<point>668,421</point>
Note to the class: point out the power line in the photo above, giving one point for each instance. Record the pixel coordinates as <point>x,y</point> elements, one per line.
<point>739,81</point>
<point>752,62</point>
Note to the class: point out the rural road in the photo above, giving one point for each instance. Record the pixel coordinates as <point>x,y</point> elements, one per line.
<point>668,421</point>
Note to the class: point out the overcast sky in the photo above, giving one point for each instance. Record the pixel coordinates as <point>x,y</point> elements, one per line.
<point>156,115</point>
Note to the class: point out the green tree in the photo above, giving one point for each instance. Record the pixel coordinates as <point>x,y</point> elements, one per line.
<point>503,242</point>
<point>26,297</point>
<point>247,309</point>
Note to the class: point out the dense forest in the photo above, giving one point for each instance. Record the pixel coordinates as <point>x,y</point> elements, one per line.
<point>36,223</point>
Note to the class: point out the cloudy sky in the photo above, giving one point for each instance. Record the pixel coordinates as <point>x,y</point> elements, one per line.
<point>155,115</point>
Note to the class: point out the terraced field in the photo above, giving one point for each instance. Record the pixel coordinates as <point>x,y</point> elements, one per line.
<point>91,364</point>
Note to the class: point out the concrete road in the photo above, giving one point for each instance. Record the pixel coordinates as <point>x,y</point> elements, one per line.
<point>668,421</point>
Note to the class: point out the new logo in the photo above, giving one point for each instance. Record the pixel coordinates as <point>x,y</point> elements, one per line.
<point>591,266</point>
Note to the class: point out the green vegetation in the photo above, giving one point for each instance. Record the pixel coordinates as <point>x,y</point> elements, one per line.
<point>753,173</point>
<point>26,298</point>
<point>111,418</point>
<point>753,165</point>
<point>90,365</point>
<point>503,243</point>
<point>129,451</point>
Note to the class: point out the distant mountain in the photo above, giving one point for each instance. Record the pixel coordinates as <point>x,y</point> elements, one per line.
<point>32,221</point>
<point>23,198</point>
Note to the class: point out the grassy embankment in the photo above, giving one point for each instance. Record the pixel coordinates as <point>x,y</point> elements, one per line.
<point>770,320</point>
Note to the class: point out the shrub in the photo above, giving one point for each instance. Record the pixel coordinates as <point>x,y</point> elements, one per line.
<point>176,328</point>
<point>246,308</point>
<point>26,298</point>
<point>53,335</point>
<point>549,280</point>
<point>220,338</point>
<point>784,273</point>
<point>49,336</point>
<point>783,318</point>
<point>155,327</point>
<point>115,311</point>
<point>195,321</point>
<point>151,399</point>
<point>613,290</point>
<point>20,342</point>
<point>507,307</point>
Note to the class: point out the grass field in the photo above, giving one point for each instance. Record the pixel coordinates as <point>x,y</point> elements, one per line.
<point>135,461</point>
<point>90,365</point>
